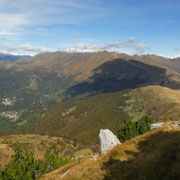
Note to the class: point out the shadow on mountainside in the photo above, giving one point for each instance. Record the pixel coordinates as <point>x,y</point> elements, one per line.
<point>118,75</point>
<point>158,158</point>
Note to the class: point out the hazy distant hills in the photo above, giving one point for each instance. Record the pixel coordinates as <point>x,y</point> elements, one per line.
<point>10,57</point>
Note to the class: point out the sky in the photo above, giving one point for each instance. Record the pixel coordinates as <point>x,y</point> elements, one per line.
<point>29,27</point>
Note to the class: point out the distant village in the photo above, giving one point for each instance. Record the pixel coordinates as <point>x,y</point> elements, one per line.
<point>9,114</point>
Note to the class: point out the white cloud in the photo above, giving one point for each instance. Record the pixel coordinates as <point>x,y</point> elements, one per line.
<point>132,39</point>
<point>83,47</point>
<point>176,56</point>
<point>24,49</point>
<point>128,47</point>
<point>12,24</point>
<point>29,49</point>
<point>17,15</point>
<point>79,38</point>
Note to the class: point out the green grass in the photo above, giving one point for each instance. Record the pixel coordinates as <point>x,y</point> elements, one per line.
<point>83,152</point>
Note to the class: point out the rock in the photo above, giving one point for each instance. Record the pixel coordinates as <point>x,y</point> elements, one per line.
<point>107,140</point>
<point>94,157</point>
<point>177,124</point>
<point>156,126</point>
<point>63,175</point>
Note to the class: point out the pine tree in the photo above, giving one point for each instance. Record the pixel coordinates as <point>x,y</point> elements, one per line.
<point>133,129</point>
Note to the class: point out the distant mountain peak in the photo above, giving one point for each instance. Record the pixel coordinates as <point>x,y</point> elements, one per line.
<point>11,57</point>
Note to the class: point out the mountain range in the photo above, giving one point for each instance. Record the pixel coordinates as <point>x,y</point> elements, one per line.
<point>10,57</point>
<point>60,76</point>
<point>65,98</point>
<point>61,89</point>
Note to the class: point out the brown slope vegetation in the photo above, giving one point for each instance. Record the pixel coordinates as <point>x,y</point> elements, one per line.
<point>120,74</point>
<point>84,63</point>
<point>154,155</point>
<point>45,77</point>
<point>64,63</point>
<point>58,76</point>
<point>161,101</point>
<point>33,143</point>
<point>81,120</point>
<point>172,64</point>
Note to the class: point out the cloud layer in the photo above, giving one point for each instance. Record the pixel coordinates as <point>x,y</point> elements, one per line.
<point>24,49</point>
<point>131,46</point>
<point>27,25</point>
<point>18,15</point>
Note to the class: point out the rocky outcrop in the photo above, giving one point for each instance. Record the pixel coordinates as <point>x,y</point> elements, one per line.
<point>107,140</point>
<point>156,126</point>
<point>169,125</point>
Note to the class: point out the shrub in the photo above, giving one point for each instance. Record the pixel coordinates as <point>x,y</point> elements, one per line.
<point>53,159</point>
<point>25,167</point>
<point>132,129</point>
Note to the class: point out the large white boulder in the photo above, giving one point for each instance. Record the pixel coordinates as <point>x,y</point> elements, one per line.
<point>107,140</point>
<point>156,126</point>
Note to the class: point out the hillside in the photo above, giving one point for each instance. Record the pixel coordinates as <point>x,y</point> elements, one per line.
<point>30,86</point>
<point>34,143</point>
<point>154,155</point>
<point>81,120</point>
<point>55,77</point>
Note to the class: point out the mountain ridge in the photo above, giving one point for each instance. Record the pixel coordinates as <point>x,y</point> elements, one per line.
<point>49,76</point>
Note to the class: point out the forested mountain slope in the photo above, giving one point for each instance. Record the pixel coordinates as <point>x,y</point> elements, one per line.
<point>81,120</point>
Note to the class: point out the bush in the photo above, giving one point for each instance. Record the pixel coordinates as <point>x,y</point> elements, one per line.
<point>53,159</point>
<point>132,129</point>
<point>22,166</point>
<point>25,167</point>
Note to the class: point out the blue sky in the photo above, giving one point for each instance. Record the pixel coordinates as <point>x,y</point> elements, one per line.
<point>130,26</point>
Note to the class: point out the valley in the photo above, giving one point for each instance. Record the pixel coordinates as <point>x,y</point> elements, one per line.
<point>67,98</point>
<point>89,90</point>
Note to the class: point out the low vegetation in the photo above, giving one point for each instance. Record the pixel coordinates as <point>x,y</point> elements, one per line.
<point>132,129</point>
<point>24,166</point>
<point>153,155</point>
<point>81,120</point>
<point>35,144</point>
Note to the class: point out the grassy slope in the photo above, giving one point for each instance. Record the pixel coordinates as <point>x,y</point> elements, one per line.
<point>161,101</point>
<point>34,143</point>
<point>154,155</point>
<point>81,120</point>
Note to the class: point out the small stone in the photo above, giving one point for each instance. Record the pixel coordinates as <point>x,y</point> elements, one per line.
<point>63,175</point>
<point>156,126</point>
<point>177,124</point>
<point>94,157</point>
